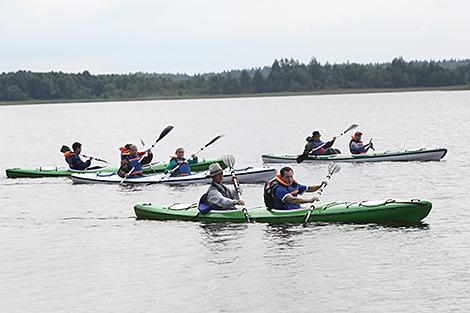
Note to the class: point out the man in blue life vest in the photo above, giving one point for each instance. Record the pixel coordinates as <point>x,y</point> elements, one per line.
<point>356,146</point>
<point>73,158</point>
<point>287,192</point>
<point>130,160</point>
<point>218,196</point>
<point>315,142</point>
<point>178,165</point>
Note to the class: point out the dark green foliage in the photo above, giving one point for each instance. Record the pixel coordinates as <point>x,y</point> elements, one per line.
<point>283,76</point>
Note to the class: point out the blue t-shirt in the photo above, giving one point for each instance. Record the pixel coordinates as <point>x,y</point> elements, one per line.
<point>281,191</point>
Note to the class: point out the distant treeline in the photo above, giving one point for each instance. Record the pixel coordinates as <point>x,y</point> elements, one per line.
<point>283,76</point>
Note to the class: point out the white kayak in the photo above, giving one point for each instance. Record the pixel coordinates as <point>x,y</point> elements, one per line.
<point>249,175</point>
<point>392,155</point>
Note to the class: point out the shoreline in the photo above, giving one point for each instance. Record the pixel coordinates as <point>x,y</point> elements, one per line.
<point>248,95</point>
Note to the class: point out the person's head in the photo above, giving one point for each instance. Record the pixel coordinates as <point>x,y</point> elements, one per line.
<point>358,136</point>
<point>131,148</point>
<point>180,153</point>
<point>77,147</point>
<point>287,175</point>
<point>316,135</point>
<point>216,172</point>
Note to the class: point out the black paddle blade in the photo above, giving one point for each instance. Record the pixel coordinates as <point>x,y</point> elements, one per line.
<point>164,133</point>
<point>64,149</point>
<point>214,140</point>
<point>301,158</point>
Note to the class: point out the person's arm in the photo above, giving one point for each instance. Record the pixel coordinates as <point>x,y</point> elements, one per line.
<point>193,160</point>
<point>147,159</point>
<point>124,168</point>
<point>171,165</point>
<point>78,164</point>
<point>330,143</point>
<point>216,198</point>
<point>314,188</point>
<point>308,148</point>
<point>299,200</point>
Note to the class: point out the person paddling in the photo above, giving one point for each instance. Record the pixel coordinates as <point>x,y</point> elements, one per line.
<point>218,196</point>
<point>179,166</point>
<point>73,158</point>
<point>284,193</point>
<point>356,146</point>
<point>314,142</point>
<point>130,160</point>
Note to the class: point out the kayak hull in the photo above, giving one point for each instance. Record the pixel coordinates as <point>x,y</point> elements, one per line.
<point>64,171</point>
<point>386,156</point>
<point>380,212</point>
<point>245,176</point>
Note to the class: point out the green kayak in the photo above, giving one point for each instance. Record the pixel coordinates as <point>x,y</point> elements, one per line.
<point>65,171</point>
<point>387,211</point>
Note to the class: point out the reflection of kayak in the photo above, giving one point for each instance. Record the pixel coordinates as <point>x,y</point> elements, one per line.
<point>65,171</point>
<point>245,176</point>
<point>392,155</point>
<point>389,211</point>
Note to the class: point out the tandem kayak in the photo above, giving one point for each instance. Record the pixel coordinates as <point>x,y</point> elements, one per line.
<point>247,175</point>
<point>65,171</point>
<point>392,155</point>
<point>380,212</point>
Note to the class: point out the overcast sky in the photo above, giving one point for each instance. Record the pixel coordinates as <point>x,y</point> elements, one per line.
<point>105,36</point>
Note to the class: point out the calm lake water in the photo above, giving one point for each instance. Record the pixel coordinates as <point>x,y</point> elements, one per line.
<point>79,248</point>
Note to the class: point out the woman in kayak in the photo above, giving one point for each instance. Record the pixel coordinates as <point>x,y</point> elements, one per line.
<point>286,193</point>
<point>314,142</point>
<point>73,158</point>
<point>218,196</point>
<point>178,165</point>
<point>356,146</point>
<point>130,160</point>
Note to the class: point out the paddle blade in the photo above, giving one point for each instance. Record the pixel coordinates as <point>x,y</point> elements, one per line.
<point>353,126</point>
<point>333,168</point>
<point>142,142</point>
<point>213,140</point>
<point>229,160</point>
<point>301,158</point>
<point>164,133</point>
<point>64,149</point>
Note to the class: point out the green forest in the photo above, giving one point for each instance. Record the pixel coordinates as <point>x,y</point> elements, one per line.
<point>282,76</point>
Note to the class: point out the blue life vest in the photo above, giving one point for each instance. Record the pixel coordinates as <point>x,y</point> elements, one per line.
<point>318,143</point>
<point>183,170</point>
<point>133,163</point>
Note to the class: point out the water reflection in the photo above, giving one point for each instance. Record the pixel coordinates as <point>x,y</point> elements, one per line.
<point>222,241</point>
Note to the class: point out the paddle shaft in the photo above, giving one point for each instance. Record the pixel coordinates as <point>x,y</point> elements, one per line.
<point>236,184</point>
<point>91,157</point>
<point>319,192</point>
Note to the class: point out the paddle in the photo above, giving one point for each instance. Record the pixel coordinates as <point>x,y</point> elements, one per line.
<point>371,145</point>
<point>304,155</point>
<point>163,134</point>
<point>229,160</point>
<point>332,169</point>
<point>207,145</point>
<point>66,149</point>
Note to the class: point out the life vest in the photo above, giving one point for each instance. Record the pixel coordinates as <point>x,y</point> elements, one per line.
<point>204,206</point>
<point>183,169</point>
<point>316,144</point>
<point>133,160</point>
<point>68,157</point>
<point>269,190</point>
<point>360,146</point>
